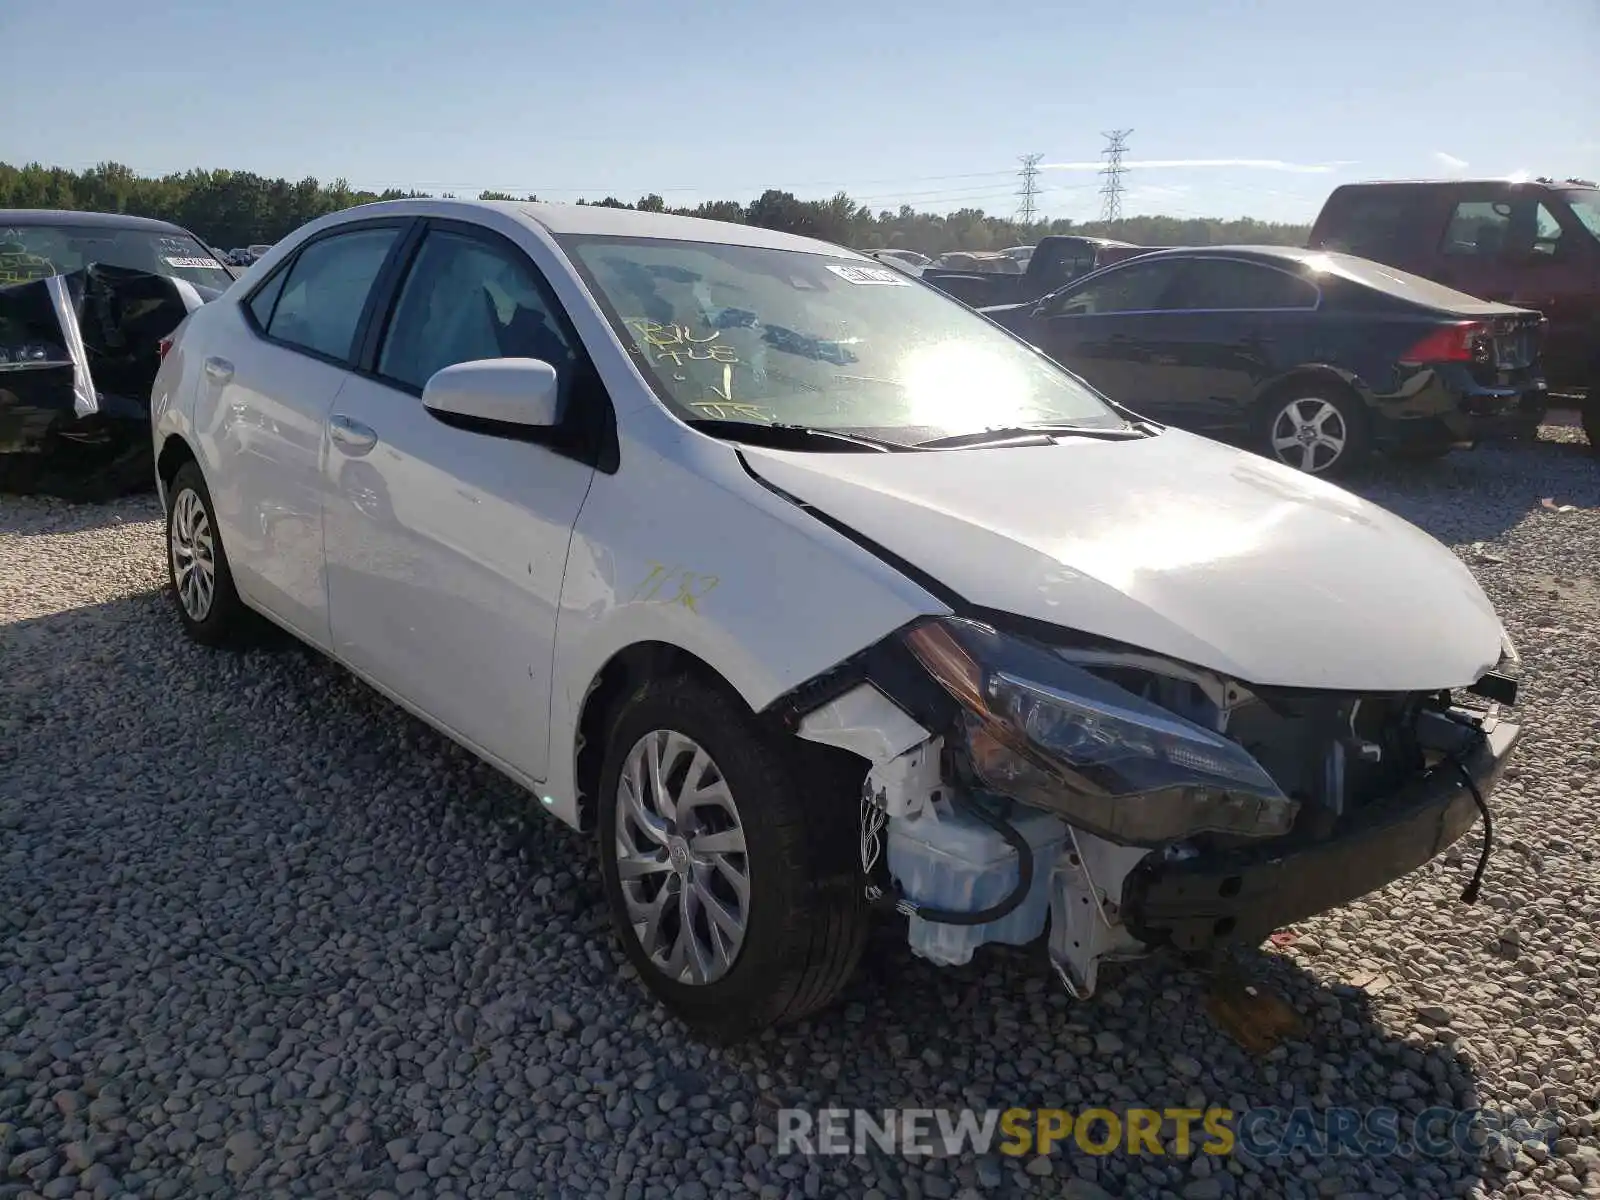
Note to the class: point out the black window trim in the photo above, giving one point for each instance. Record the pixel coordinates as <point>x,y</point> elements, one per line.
<point>1182,261</point>
<point>404,227</point>
<point>587,431</point>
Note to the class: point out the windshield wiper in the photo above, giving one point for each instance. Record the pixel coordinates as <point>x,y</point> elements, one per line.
<point>781,436</point>
<point>1038,434</point>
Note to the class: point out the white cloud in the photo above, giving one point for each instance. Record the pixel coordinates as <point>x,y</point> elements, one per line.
<point>1450,162</point>
<point>1256,164</point>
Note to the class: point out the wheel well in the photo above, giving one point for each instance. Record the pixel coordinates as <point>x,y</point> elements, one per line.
<point>1318,377</point>
<point>618,679</point>
<point>174,453</point>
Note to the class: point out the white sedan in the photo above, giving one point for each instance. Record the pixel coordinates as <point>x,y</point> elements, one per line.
<point>813,594</point>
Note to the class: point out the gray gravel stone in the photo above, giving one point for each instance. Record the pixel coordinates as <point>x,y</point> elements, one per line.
<point>262,933</point>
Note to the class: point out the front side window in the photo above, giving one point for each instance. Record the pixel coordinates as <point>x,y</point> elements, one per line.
<point>1222,283</point>
<point>465,300</point>
<point>1585,206</point>
<point>1139,288</point>
<point>38,251</point>
<point>326,289</point>
<point>745,333</point>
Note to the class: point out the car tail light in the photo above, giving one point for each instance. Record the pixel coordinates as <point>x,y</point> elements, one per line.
<point>163,346</point>
<point>1463,342</point>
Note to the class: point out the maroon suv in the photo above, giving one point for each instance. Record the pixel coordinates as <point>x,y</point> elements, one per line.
<point>1534,244</point>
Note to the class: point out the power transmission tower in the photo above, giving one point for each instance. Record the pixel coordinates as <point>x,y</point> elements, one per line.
<point>1111,190</point>
<point>1027,210</point>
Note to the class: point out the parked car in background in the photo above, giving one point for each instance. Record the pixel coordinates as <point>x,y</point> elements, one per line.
<point>1312,358</point>
<point>257,250</point>
<point>85,299</point>
<point>909,258</point>
<point>1056,261</point>
<point>1532,244</point>
<point>809,593</point>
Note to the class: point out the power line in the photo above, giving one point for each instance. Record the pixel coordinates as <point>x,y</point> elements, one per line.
<point>1029,191</point>
<point>1111,191</point>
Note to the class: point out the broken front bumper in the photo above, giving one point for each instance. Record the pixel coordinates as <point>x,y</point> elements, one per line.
<point>1242,895</point>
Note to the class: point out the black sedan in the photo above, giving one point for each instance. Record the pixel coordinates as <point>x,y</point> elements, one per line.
<point>1312,358</point>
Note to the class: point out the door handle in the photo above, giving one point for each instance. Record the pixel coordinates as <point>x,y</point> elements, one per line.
<point>351,436</point>
<point>219,370</point>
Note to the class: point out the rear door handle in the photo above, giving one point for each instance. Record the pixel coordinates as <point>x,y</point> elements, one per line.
<point>219,370</point>
<point>351,436</point>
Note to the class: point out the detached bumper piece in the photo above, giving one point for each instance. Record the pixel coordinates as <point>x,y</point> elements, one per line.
<point>1243,894</point>
<point>78,357</point>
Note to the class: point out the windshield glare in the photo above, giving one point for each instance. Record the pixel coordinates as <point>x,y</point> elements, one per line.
<point>784,337</point>
<point>38,251</point>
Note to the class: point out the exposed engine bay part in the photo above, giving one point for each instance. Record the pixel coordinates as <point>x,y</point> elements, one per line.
<point>1086,926</point>
<point>1116,802</point>
<point>78,356</point>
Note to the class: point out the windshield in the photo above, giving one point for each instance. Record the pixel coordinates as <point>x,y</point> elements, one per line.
<point>783,337</point>
<point>1586,207</point>
<point>38,251</point>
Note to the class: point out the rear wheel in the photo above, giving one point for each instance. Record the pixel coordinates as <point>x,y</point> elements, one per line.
<point>197,565</point>
<point>1315,428</point>
<point>729,860</point>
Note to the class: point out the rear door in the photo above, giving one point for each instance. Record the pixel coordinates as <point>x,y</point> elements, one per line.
<point>1106,327</point>
<point>1234,325</point>
<point>275,363</point>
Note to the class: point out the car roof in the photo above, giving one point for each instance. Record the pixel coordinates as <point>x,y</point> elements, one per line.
<point>1280,254</point>
<point>1460,183</point>
<point>578,220</point>
<point>20,217</point>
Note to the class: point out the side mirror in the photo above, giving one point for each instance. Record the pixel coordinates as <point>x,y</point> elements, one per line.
<point>507,391</point>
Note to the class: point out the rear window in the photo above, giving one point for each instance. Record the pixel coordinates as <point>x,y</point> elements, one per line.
<point>1400,284</point>
<point>38,251</point>
<point>1370,221</point>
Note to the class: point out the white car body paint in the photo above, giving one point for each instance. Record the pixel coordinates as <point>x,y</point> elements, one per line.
<point>1177,545</point>
<point>531,571</point>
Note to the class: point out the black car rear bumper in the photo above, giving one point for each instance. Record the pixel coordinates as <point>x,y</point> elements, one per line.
<point>1447,406</point>
<point>1242,895</point>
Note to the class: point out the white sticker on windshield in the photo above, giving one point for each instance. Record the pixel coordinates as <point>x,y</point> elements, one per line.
<point>202,263</point>
<point>851,273</point>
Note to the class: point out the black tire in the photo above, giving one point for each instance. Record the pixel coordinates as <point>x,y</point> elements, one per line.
<point>226,623</point>
<point>806,919</point>
<point>1273,421</point>
<point>1591,418</point>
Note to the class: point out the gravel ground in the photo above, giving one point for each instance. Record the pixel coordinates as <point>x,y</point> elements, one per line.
<point>260,932</point>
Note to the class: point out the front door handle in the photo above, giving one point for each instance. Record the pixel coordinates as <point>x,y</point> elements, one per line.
<point>351,436</point>
<point>219,370</point>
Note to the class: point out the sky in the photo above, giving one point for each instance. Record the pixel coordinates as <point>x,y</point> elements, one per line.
<point>1235,108</point>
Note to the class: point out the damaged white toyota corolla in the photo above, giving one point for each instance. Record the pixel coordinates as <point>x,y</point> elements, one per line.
<point>813,593</point>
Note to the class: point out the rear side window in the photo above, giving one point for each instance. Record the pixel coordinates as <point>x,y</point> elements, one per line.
<point>1477,228</point>
<point>261,304</point>
<point>1139,288</point>
<point>1221,283</point>
<point>326,289</point>
<point>1369,222</point>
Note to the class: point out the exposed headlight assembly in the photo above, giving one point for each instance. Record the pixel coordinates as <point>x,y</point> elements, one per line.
<point>1055,736</point>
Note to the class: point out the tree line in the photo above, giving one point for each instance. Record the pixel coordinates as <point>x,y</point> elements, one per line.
<point>239,208</point>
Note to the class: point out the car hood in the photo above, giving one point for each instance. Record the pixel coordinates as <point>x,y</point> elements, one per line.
<point>1173,544</point>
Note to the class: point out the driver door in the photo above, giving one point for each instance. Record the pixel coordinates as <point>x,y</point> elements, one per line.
<point>446,541</point>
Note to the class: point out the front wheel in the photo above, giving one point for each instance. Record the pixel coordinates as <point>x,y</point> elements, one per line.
<point>1314,428</point>
<point>729,859</point>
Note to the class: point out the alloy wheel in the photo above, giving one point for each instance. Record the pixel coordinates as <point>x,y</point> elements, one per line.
<point>681,858</point>
<point>194,567</point>
<point>1310,435</point>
